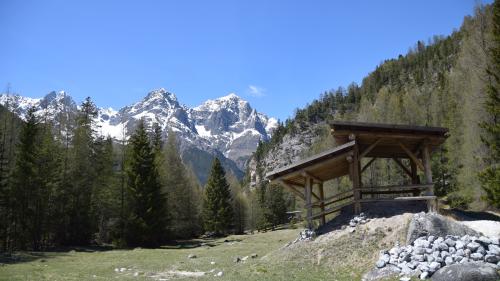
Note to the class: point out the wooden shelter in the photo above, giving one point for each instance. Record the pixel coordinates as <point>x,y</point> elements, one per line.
<point>357,141</point>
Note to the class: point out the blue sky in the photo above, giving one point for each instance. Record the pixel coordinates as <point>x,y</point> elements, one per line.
<point>279,55</point>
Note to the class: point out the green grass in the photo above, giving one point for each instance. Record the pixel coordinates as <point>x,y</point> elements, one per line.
<point>100,265</point>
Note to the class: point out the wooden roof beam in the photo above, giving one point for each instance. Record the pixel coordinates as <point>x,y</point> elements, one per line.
<point>307,174</point>
<point>368,164</point>
<point>295,185</point>
<point>292,188</point>
<point>368,149</point>
<point>405,169</point>
<point>412,156</point>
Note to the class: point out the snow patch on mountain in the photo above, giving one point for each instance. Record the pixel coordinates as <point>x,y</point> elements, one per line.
<point>227,125</point>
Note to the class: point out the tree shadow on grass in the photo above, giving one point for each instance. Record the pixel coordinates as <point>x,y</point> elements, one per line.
<point>200,242</point>
<point>43,256</point>
<point>22,257</point>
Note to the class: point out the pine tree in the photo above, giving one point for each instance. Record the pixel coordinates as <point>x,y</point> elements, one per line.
<point>217,209</point>
<point>490,176</point>
<point>146,202</point>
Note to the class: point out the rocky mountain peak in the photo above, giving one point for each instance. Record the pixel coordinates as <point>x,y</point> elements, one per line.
<point>56,99</point>
<point>230,102</point>
<point>160,98</point>
<point>226,127</point>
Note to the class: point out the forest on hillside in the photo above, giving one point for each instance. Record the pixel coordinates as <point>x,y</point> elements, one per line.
<point>65,185</point>
<point>450,81</point>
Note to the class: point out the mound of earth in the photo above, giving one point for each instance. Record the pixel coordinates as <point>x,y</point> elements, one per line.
<point>340,249</point>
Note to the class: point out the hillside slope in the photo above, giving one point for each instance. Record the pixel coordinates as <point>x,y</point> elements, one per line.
<point>441,83</point>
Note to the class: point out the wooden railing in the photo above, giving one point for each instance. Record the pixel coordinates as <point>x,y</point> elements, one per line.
<point>347,198</point>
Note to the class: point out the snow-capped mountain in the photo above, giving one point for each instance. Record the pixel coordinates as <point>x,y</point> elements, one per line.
<point>227,127</point>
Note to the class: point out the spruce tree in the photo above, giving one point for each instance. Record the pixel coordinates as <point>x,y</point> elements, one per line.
<point>490,176</point>
<point>106,194</point>
<point>82,177</point>
<point>217,209</point>
<point>25,185</point>
<point>146,202</point>
<point>275,206</point>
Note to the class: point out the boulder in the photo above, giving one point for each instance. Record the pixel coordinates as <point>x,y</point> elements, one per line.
<point>491,258</point>
<point>473,246</point>
<point>459,244</point>
<point>468,271</point>
<point>476,256</point>
<point>493,249</point>
<point>380,263</point>
<point>434,266</point>
<point>424,224</point>
<point>483,240</point>
<point>381,273</point>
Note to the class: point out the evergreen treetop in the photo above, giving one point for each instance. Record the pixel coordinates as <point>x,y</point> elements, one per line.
<point>217,208</point>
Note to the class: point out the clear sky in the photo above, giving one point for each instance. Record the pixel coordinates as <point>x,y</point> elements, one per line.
<point>279,55</point>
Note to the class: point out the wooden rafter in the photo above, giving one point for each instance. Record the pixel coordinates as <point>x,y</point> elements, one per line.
<point>405,169</point>
<point>412,156</point>
<point>368,164</point>
<point>293,189</point>
<point>293,186</point>
<point>369,148</point>
<point>306,174</point>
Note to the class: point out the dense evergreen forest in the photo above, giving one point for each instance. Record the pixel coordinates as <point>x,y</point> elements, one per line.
<point>450,81</point>
<point>67,185</point>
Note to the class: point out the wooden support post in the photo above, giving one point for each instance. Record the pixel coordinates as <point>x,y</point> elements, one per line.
<point>322,204</point>
<point>414,176</point>
<point>428,175</point>
<point>356,179</point>
<point>309,184</point>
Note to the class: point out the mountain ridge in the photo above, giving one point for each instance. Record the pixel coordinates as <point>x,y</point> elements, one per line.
<point>226,127</point>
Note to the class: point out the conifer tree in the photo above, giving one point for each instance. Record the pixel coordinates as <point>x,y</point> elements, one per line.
<point>490,176</point>
<point>106,194</point>
<point>239,203</point>
<point>275,206</point>
<point>25,186</point>
<point>182,197</point>
<point>82,175</point>
<point>146,202</point>
<point>217,209</point>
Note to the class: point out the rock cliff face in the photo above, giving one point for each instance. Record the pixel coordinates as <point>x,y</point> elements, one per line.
<point>227,127</point>
<point>291,149</point>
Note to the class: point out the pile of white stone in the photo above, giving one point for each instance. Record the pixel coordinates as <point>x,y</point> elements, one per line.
<point>304,235</point>
<point>428,254</point>
<point>359,219</point>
